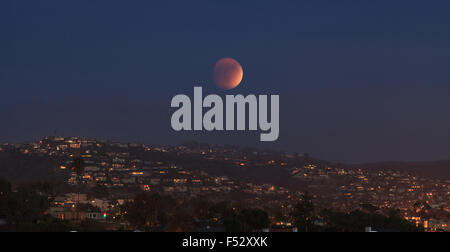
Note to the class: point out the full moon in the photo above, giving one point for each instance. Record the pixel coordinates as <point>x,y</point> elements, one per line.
<point>228,73</point>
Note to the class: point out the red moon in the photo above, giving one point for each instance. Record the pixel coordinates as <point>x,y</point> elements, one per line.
<point>228,73</point>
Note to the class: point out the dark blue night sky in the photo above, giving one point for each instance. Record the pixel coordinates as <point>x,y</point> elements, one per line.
<point>358,80</point>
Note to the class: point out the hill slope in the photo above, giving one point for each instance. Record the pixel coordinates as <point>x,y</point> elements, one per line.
<point>436,169</point>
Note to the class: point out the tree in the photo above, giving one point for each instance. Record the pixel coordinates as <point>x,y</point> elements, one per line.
<point>356,221</point>
<point>5,190</point>
<point>78,166</point>
<point>368,208</point>
<point>246,220</point>
<point>40,187</point>
<point>303,213</point>
<point>255,219</point>
<point>233,223</point>
<point>182,220</point>
<point>5,187</point>
<point>25,207</point>
<point>148,210</point>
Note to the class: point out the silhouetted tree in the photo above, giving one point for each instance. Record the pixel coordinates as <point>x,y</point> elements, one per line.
<point>356,221</point>
<point>182,220</point>
<point>78,166</point>
<point>303,213</point>
<point>25,206</point>
<point>5,186</point>
<point>233,223</point>
<point>254,219</point>
<point>368,208</point>
<point>148,210</point>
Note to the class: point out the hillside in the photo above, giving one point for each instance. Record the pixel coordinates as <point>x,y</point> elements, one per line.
<point>17,167</point>
<point>435,169</point>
